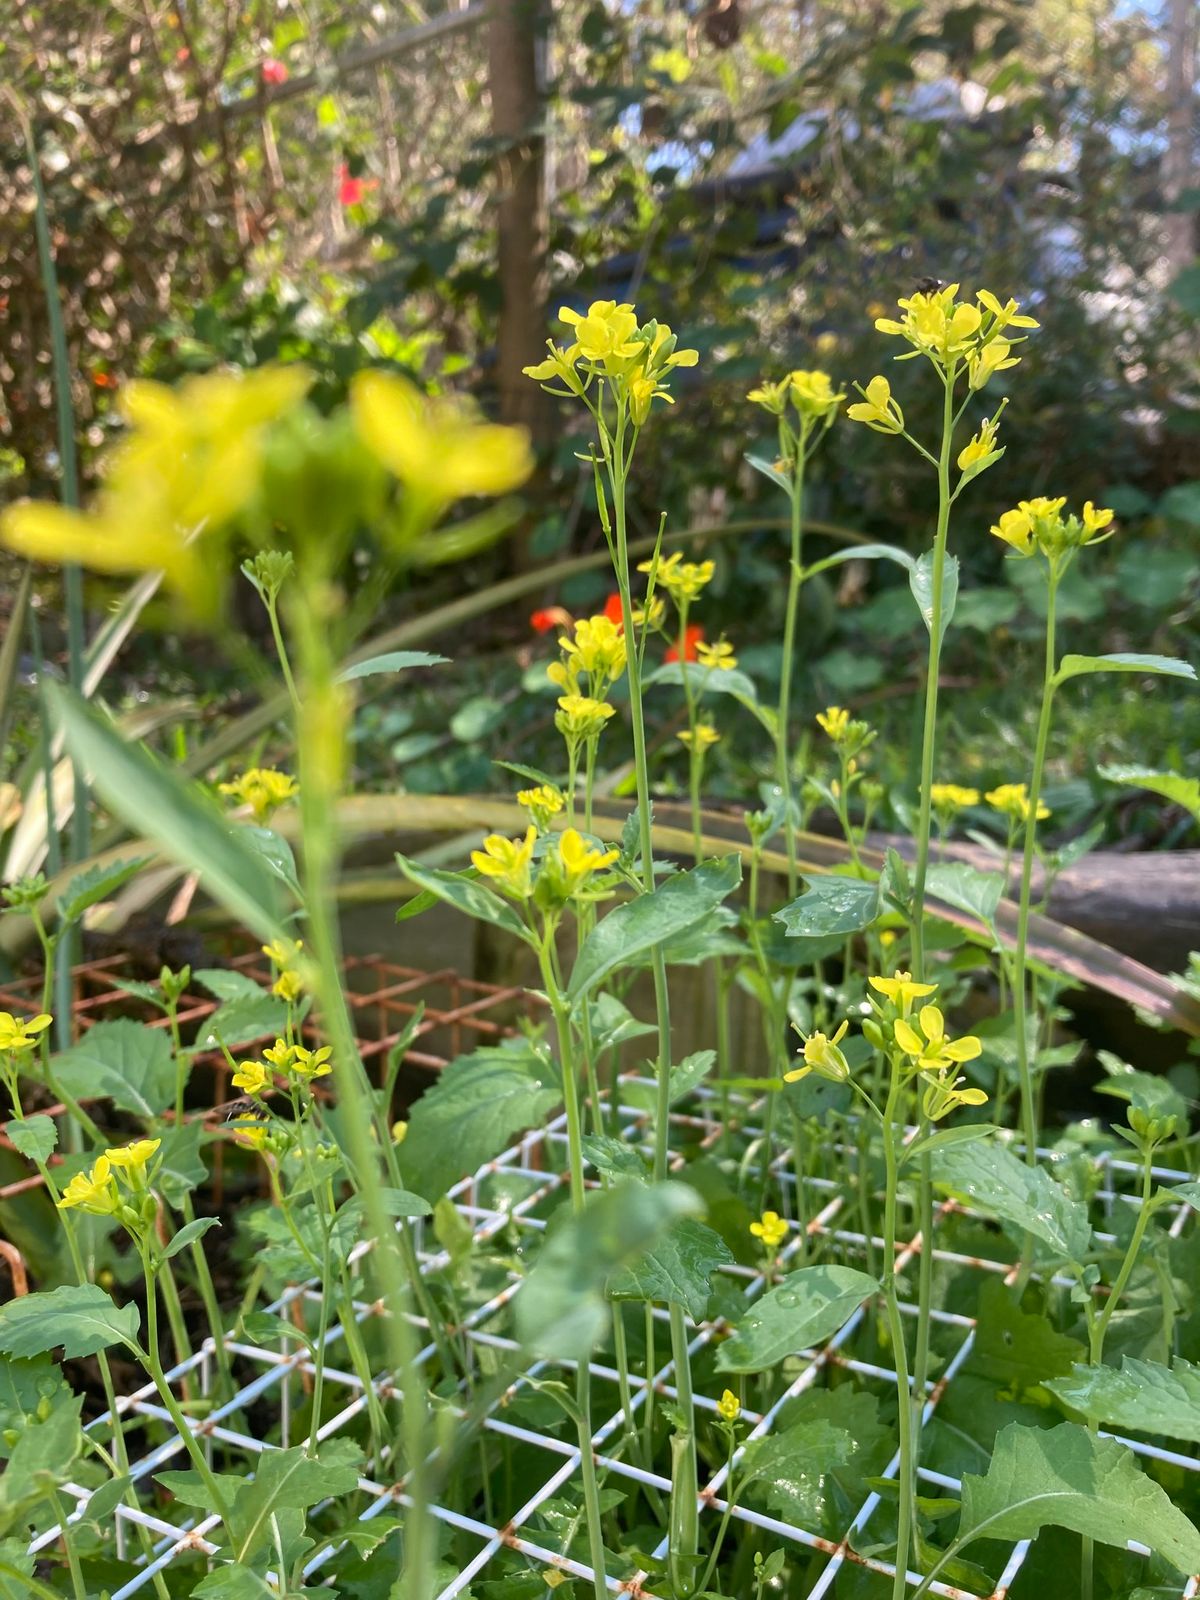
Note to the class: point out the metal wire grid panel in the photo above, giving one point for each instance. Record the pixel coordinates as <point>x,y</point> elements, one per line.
<point>504,1195</point>
<point>459,1014</point>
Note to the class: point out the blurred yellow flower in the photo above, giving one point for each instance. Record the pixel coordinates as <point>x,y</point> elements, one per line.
<point>813,394</point>
<point>95,1192</point>
<point>705,737</point>
<point>901,990</point>
<point>1013,800</point>
<point>542,803</point>
<point>579,717</point>
<point>308,1064</point>
<point>252,1076</point>
<point>507,862</point>
<point>771,1228</point>
<point>729,1407</point>
<point>952,796</point>
<point>17,1033</point>
<point>683,580</point>
<point>822,1056</point>
<point>835,720</point>
<point>263,789</point>
<point>719,655</point>
<point>579,860</point>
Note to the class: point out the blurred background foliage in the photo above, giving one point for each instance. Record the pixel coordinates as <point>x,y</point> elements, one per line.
<point>350,184</point>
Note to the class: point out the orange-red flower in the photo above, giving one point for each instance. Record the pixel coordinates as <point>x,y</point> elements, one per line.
<point>550,618</point>
<point>612,610</point>
<point>274,72</point>
<point>351,190</point>
<point>693,635</point>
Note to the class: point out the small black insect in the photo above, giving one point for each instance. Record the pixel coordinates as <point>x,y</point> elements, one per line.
<point>928,286</point>
<point>237,1110</point>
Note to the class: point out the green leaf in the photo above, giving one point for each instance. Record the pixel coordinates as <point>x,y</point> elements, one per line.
<point>652,919</point>
<point>243,1020</point>
<point>390,661</point>
<point>966,888</point>
<point>811,1468</point>
<point>862,552</point>
<point>1065,1477</point>
<point>920,581</point>
<point>677,1269</point>
<point>87,889</point>
<point>690,1073</point>
<point>465,894</point>
<point>28,1392</point>
<point>35,1137</point>
<point>1143,1395</point>
<point>991,1177</point>
<point>180,1165</point>
<point>289,1480</point>
<point>79,1317</point>
<point>108,1497</point>
<point>768,470</point>
<point>613,1157</point>
<point>832,905</point>
<point>808,1307</point>
<point>614,1024</point>
<point>1123,661</point>
<point>705,680</point>
<point>123,1061</point>
<point>189,1233</point>
<point>561,1311</point>
<point>227,983</point>
<point>473,1110</point>
<point>1171,785</point>
<point>16,1570</point>
<point>966,1133</point>
<point>234,1581</point>
<point>41,1459</point>
<point>1017,1348</point>
<point>181,818</point>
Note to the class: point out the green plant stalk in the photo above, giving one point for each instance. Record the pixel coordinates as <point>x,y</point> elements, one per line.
<point>684,1508</point>
<point>904,1407</point>
<point>78,1587</point>
<point>53,972</point>
<point>583,1389</point>
<point>174,1309</point>
<point>783,766</point>
<point>1025,1077</point>
<point>695,757</point>
<point>208,1296</point>
<point>271,602</point>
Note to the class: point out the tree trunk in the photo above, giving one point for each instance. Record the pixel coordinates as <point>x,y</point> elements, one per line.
<point>1179,156</point>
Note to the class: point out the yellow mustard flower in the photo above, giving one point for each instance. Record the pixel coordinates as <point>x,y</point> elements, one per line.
<point>254,1133</point>
<point>263,789</point>
<point>18,1033</point>
<point>704,738</point>
<point>901,990</point>
<point>813,394</point>
<point>579,860</point>
<point>834,720</point>
<point>822,1056</point>
<point>1012,799</point>
<point>605,334</point>
<point>309,1064</point>
<point>980,451</point>
<point>506,862</point>
<point>95,1192</point>
<point>729,1407</point>
<point>598,647</point>
<point>930,1049</point>
<point>189,464</point>
<point>284,954</point>
<point>719,655</point>
<point>1095,519</point>
<point>877,408</point>
<point>580,718</point>
<point>946,1092</point>
<point>1015,528</point>
<point>935,324</point>
<point>991,358</point>
<point>771,1228</point>
<point>643,392</point>
<point>558,367</point>
<point>773,397</point>
<point>252,1076</point>
<point>952,796</point>
<point>130,1161</point>
<point>683,580</point>
<point>437,447</point>
<point>542,803</point>
<point>1004,316</point>
<point>279,1054</point>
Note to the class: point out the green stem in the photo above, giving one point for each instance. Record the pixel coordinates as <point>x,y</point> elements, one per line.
<point>1028,1122</point>
<point>904,1407</point>
<point>783,766</point>
<point>272,605</point>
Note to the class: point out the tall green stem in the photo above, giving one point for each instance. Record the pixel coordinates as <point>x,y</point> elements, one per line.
<point>904,1406</point>
<point>1025,1076</point>
<point>783,765</point>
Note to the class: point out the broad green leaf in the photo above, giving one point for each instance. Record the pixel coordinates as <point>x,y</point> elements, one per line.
<point>992,1178</point>
<point>635,928</point>
<point>811,1468</point>
<point>276,854</point>
<point>189,1233</point>
<point>943,1138</point>
<point>290,1480</point>
<point>108,1497</point>
<point>390,661</point>
<point>1066,1477</point>
<point>614,1157</point>
<point>862,552</point>
<point>234,1581</point>
<point>1171,785</point>
<point>394,1203</point>
<point>464,894</point>
<point>808,1307</point>
<point>1016,1348</point>
<point>1123,661</point>
<point>79,1317</point>
<point>613,1023</point>
<point>243,1020</point>
<point>690,1073</point>
<point>770,471</point>
<point>1143,1395</point>
<point>561,1311</point>
<point>920,581</point>
<point>41,1459</point>
<point>832,905</point>
<point>966,889</point>
<point>123,1061</point>
<point>181,818</point>
<point>29,1391</point>
<point>473,1110</point>
<point>35,1137</point>
<point>180,1165</point>
<point>705,680</point>
<point>678,1268</point>
<point>227,983</point>
<point>87,889</point>
<point>16,1570</point>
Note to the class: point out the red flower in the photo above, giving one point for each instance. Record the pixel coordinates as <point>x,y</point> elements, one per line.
<point>274,72</point>
<point>551,617</point>
<point>612,610</point>
<point>104,380</point>
<point>352,190</point>
<point>693,634</point>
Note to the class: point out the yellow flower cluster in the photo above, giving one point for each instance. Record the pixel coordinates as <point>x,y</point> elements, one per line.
<point>718,656</point>
<point>953,332</point>
<point>704,737</point>
<point>729,1407</point>
<point>542,803</point>
<point>822,1056</point>
<point>1012,800</point>
<point>263,789</point>
<point>1038,527</point>
<point>683,580</point>
<point>565,870</point>
<point>772,1229</point>
<point>596,653</point>
<point>99,1192</point>
<point>951,798</point>
<point>850,736</point>
<point>17,1034</point>
<point>284,956</point>
<point>255,1077</point>
<point>610,345</point>
<point>930,1053</point>
<point>579,718</point>
<point>810,392</point>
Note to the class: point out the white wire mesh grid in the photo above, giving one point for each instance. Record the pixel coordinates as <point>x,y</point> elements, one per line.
<point>537,1162</point>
